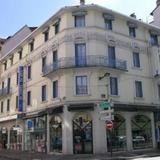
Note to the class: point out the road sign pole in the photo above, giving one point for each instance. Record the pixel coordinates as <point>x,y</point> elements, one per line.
<point>111,141</point>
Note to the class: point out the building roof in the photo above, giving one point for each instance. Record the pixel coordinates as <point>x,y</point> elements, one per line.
<point>12,41</point>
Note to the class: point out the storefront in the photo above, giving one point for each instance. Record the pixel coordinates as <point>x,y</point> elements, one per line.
<point>117,136</point>
<point>55,127</point>
<point>141,132</point>
<point>16,138</point>
<point>35,134</point>
<point>3,138</point>
<point>82,134</point>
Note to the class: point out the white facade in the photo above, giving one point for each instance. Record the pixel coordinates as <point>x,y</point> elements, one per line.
<point>77,59</point>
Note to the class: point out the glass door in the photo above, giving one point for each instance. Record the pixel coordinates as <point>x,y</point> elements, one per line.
<point>111,56</point>
<point>82,135</point>
<point>80,54</point>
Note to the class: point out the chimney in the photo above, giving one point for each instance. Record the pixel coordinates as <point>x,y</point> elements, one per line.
<point>133,15</point>
<point>158,2</point>
<point>82,2</point>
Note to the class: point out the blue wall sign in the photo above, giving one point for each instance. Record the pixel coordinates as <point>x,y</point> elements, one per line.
<point>20,89</point>
<point>29,124</point>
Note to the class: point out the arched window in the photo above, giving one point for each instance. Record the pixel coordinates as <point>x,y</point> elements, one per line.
<point>82,134</point>
<point>141,132</point>
<point>56,134</point>
<point>118,134</point>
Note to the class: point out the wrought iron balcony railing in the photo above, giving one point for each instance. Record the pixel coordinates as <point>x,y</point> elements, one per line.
<point>5,91</point>
<point>88,61</point>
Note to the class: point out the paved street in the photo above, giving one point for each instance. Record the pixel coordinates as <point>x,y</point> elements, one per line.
<point>149,155</point>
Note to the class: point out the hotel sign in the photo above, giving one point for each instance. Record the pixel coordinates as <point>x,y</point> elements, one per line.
<point>20,89</point>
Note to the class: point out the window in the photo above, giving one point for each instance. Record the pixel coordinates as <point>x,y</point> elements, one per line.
<point>55,59</point>
<point>108,24</point>
<point>154,39</point>
<point>136,60</point>
<point>80,54</point>
<point>8,105</point>
<point>2,107</point>
<point>11,60</point>
<point>81,85</point>
<point>16,102</point>
<point>29,72</point>
<point>138,86</point>
<point>46,36</point>
<point>113,86</point>
<point>5,65</point>
<point>29,98</point>
<point>43,63</point>
<point>8,85</point>
<point>57,25</point>
<point>17,78</point>
<point>132,32</point>
<point>55,89</point>
<point>31,46</point>
<point>2,84</point>
<point>112,56</point>
<point>20,54</point>
<point>80,21</point>
<point>44,96</point>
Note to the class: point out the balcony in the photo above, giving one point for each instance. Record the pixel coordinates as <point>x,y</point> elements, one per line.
<point>88,61</point>
<point>5,91</point>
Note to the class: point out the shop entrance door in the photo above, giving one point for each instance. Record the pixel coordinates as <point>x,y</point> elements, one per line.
<point>82,135</point>
<point>3,139</point>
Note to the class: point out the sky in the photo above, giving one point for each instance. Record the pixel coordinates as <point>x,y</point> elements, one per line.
<point>14,14</point>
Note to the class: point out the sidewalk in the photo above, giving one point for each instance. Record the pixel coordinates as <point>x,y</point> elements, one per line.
<point>15,155</point>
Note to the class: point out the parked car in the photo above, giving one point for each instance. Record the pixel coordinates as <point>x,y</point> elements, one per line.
<point>139,139</point>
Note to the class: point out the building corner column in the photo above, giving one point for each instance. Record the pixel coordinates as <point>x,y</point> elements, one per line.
<point>48,135</point>
<point>153,130</point>
<point>129,132</point>
<point>99,133</point>
<point>67,135</point>
<point>8,139</point>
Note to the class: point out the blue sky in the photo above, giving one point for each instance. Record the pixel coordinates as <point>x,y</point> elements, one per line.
<point>14,14</point>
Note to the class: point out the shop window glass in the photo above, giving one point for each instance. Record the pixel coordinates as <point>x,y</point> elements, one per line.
<point>35,134</point>
<point>16,138</point>
<point>82,134</point>
<point>118,135</point>
<point>56,134</point>
<point>141,132</point>
<point>3,138</point>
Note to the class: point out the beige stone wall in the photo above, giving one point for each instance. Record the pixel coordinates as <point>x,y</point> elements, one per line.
<point>97,40</point>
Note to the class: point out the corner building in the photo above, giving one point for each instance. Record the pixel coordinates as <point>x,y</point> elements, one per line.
<point>55,78</point>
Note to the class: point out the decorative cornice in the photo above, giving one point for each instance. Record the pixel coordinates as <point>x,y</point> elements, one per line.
<point>54,43</point>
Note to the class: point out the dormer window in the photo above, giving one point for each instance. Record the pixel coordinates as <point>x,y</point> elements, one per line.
<point>57,25</point>
<point>46,34</point>
<point>79,21</point>
<point>5,65</point>
<point>132,32</point>
<point>79,18</point>
<point>132,29</point>
<point>20,51</point>
<point>154,39</point>
<point>31,45</point>
<point>108,21</point>
<point>11,60</point>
